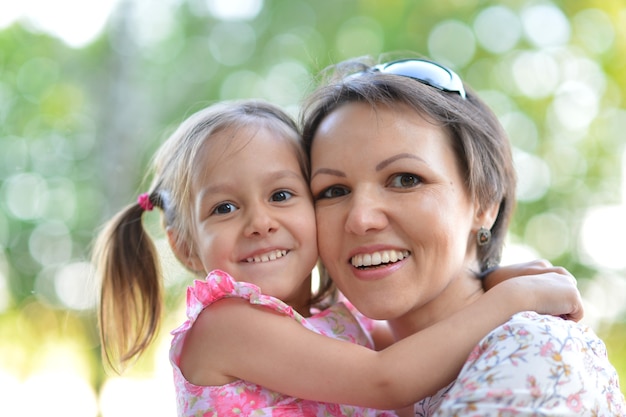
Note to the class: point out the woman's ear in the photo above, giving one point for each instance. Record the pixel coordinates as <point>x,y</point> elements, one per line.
<point>183,252</point>
<point>486,217</point>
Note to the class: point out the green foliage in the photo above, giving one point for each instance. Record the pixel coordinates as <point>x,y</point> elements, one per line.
<point>77,126</point>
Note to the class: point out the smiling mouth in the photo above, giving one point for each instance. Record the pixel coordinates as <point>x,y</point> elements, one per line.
<point>266,257</point>
<point>376,259</point>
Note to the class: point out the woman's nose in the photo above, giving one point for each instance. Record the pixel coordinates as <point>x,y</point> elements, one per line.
<point>366,213</point>
<point>260,222</point>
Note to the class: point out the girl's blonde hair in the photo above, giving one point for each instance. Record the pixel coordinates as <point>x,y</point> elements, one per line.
<point>125,257</point>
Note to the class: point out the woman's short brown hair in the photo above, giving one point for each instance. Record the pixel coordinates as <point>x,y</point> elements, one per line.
<point>480,143</point>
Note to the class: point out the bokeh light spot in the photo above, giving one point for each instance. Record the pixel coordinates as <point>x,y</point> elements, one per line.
<point>24,195</point>
<point>14,157</point>
<point>594,30</point>
<point>498,29</point>
<point>359,36</point>
<point>452,43</point>
<point>76,286</point>
<point>575,106</point>
<point>235,9</point>
<point>50,243</point>
<point>522,130</point>
<point>285,82</point>
<point>514,253</point>
<point>61,201</point>
<point>533,176</point>
<point>568,165</point>
<point>536,74</point>
<point>549,234</point>
<point>598,225</point>
<point>36,76</point>
<point>4,231</point>
<point>5,295</point>
<point>241,84</point>
<point>545,25</point>
<point>232,43</point>
<point>605,297</point>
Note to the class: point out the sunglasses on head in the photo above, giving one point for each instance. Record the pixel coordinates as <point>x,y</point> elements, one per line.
<point>426,72</point>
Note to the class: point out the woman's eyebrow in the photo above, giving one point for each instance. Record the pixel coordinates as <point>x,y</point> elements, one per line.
<point>380,165</point>
<point>394,158</point>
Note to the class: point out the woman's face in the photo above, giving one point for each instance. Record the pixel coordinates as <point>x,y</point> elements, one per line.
<point>396,225</point>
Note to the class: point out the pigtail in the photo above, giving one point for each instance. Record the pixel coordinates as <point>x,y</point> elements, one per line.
<point>130,301</point>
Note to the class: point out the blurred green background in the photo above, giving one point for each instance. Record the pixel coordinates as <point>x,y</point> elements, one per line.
<point>88,90</point>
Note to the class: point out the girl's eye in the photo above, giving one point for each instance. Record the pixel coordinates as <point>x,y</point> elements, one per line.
<point>281,196</point>
<point>224,208</point>
<point>405,180</point>
<point>333,192</point>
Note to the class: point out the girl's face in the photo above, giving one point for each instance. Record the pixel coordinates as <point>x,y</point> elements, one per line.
<point>395,223</point>
<point>253,214</point>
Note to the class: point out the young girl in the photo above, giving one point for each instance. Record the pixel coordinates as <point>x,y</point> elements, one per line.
<point>232,183</point>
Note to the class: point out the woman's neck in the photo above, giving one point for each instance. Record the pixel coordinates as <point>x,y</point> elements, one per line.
<point>459,294</point>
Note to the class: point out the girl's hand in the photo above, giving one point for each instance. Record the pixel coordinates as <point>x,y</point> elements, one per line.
<point>551,290</point>
<point>496,275</point>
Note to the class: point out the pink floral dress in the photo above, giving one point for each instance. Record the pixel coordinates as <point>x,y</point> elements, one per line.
<point>242,398</point>
<point>533,365</point>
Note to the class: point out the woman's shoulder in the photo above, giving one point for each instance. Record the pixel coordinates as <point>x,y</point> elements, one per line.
<point>540,363</point>
<point>540,326</point>
<point>543,333</point>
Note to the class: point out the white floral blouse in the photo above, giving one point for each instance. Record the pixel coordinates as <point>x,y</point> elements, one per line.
<point>533,365</point>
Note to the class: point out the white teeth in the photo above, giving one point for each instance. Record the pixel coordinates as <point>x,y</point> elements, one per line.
<point>378,258</point>
<point>266,257</point>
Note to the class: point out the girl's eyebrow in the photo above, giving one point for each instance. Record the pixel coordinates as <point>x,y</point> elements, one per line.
<point>227,186</point>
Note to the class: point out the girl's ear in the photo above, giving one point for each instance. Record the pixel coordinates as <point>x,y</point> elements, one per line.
<point>183,252</point>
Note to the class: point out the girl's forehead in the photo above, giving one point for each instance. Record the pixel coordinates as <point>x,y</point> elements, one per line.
<point>245,145</point>
<point>243,158</point>
<point>232,141</point>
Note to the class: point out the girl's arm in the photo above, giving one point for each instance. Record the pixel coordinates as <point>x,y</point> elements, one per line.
<point>238,341</point>
<point>499,274</point>
<point>382,335</point>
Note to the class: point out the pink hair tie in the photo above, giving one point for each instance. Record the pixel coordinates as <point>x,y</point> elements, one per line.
<point>144,201</point>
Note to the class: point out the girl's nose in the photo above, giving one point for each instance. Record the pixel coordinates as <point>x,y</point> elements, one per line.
<point>260,222</point>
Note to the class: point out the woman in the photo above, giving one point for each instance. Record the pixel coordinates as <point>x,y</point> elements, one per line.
<point>417,172</point>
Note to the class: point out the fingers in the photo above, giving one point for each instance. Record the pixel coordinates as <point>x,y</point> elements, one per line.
<point>539,266</point>
<point>576,315</point>
<point>542,263</point>
<point>571,294</point>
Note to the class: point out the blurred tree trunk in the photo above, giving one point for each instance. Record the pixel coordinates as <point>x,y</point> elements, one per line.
<point>122,113</point>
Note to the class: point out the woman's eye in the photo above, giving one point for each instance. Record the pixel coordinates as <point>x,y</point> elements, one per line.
<point>333,192</point>
<point>405,180</point>
<point>281,195</point>
<point>224,208</point>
